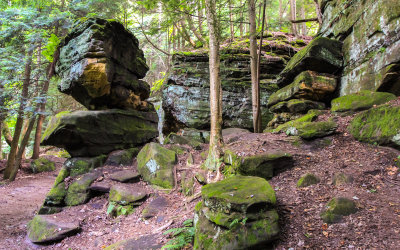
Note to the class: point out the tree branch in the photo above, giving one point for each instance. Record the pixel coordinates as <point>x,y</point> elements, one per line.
<point>305,20</point>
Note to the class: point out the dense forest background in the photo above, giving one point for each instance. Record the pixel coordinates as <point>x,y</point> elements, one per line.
<point>30,32</point>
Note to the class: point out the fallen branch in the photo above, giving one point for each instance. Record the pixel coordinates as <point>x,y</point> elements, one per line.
<point>164,227</point>
<point>305,20</point>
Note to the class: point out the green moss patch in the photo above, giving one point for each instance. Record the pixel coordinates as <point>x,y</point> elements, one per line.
<point>362,100</point>
<point>42,165</point>
<point>337,208</point>
<point>308,180</point>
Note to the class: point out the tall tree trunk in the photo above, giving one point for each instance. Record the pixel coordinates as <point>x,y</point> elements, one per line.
<point>43,94</point>
<point>216,140</point>
<point>280,14</point>
<point>255,89</point>
<point>293,16</point>
<point>1,141</point>
<point>241,20</point>
<point>318,10</point>
<point>173,38</point>
<point>10,168</point>
<point>257,122</point>
<point>303,26</point>
<point>193,29</point>
<point>231,20</point>
<point>200,16</point>
<point>6,133</point>
<point>186,34</point>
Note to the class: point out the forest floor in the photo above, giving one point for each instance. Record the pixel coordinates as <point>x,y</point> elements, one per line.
<point>375,188</point>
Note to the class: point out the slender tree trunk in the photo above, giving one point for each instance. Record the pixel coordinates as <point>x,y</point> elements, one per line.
<point>193,29</point>
<point>293,16</point>
<point>303,26</point>
<point>255,89</point>
<point>43,94</point>
<point>257,122</point>
<point>6,133</point>
<point>216,140</point>
<point>280,14</point>
<point>318,10</point>
<point>241,21</point>
<point>231,20</point>
<point>10,168</point>
<point>173,38</point>
<point>186,34</point>
<point>1,141</point>
<point>200,16</point>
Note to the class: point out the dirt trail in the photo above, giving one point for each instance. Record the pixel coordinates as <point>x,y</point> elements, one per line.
<point>18,203</point>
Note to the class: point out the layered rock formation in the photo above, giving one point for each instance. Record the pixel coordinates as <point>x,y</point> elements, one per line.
<point>370,31</point>
<point>100,66</point>
<point>186,96</point>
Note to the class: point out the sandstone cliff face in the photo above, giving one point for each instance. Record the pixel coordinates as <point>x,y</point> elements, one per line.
<point>370,31</point>
<point>186,96</point>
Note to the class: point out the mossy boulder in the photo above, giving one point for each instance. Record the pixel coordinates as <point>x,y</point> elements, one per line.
<point>341,179</point>
<point>263,165</point>
<point>156,165</point>
<point>312,130</point>
<point>309,117</point>
<point>125,194</point>
<point>82,165</point>
<point>236,213</point>
<point>296,106</point>
<point>322,55</point>
<point>308,85</point>
<point>79,190</point>
<point>307,180</point>
<point>378,126</point>
<point>47,229</point>
<point>362,100</point>
<point>337,208</point>
<point>174,138</point>
<point>93,133</point>
<point>238,193</point>
<point>42,165</point>
<point>127,175</point>
<point>100,66</point>
<point>122,157</point>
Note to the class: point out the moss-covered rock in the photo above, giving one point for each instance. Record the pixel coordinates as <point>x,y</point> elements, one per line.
<point>308,85</point>
<point>378,125</point>
<point>46,229</point>
<point>100,66</point>
<point>337,208</point>
<point>341,179</point>
<point>42,165</point>
<point>56,195</point>
<point>296,106</point>
<point>156,164</point>
<point>122,157</point>
<point>187,185</point>
<point>238,193</point>
<point>312,130</point>
<point>82,165</point>
<point>127,175</point>
<point>154,207</point>
<point>309,117</point>
<point>174,138</point>
<point>307,180</point>
<point>322,55</point>
<point>236,213</point>
<point>362,100</point>
<point>125,194</point>
<point>78,191</point>
<point>93,133</point>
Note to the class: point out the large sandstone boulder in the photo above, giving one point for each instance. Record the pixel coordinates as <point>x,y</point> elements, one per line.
<point>186,95</point>
<point>322,55</point>
<point>236,213</point>
<point>370,32</point>
<point>101,65</point>
<point>364,99</point>
<point>46,229</point>
<point>92,133</point>
<point>378,125</point>
<point>156,165</point>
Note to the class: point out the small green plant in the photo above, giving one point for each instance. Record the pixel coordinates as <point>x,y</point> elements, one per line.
<point>236,222</point>
<point>157,85</point>
<point>181,237</point>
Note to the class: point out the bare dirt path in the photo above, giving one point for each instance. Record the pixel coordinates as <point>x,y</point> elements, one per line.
<point>18,203</point>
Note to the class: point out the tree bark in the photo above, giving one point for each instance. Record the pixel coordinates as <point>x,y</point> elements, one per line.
<point>6,133</point>
<point>241,21</point>
<point>280,14</point>
<point>257,122</point>
<point>10,168</point>
<point>255,89</point>
<point>293,16</point>
<point>193,29</point>
<point>303,16</point>
<point>216,140</point>
<point>200,16</point>
<point>186,35</point>
<point>231,20</point>
<point>318,10</point>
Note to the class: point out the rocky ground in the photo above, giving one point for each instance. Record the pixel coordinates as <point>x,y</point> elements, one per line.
<point>374,186</point>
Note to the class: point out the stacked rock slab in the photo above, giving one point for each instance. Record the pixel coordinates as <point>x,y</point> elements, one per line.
<point>186,96</point>
<point>236,213</point>
<point>100,66</point>
<point>307,82</point>
<point>370,32</point>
